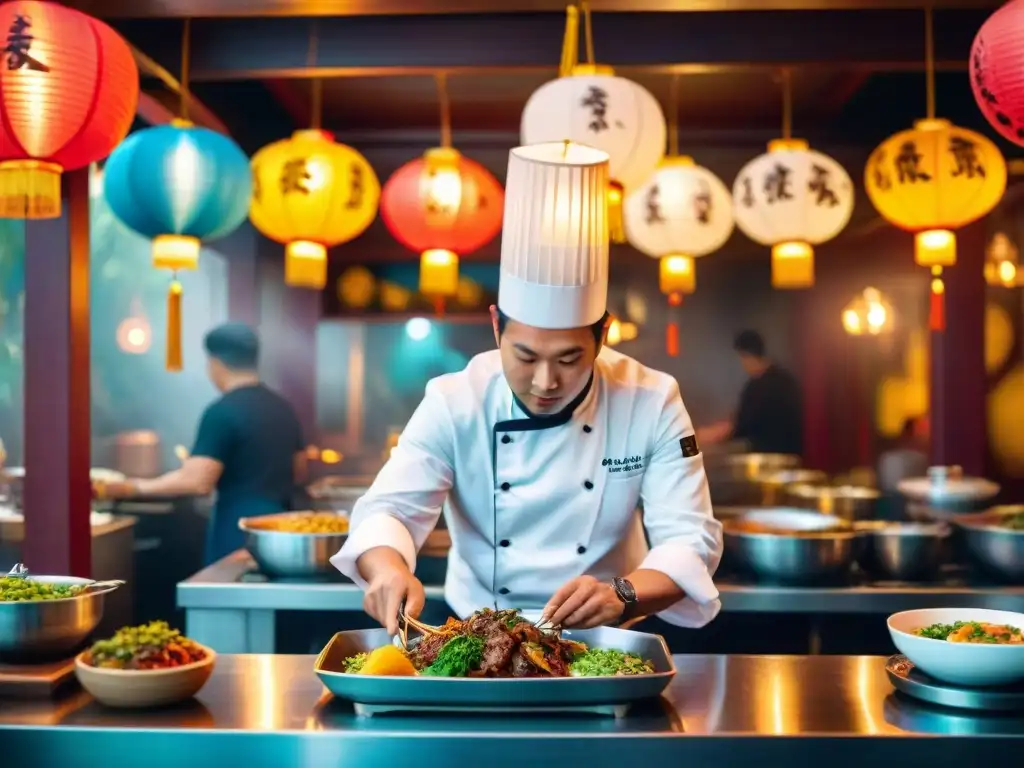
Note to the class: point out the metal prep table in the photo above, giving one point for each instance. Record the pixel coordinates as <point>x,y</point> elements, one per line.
<point>766,711</point>
<point>234,615</point>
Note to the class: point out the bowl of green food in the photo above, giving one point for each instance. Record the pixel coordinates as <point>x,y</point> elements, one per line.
<point>47,617</point>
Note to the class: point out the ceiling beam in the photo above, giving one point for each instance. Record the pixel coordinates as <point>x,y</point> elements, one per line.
<point>155,9</point>
<point>250,49</point>
<point>199,113</point>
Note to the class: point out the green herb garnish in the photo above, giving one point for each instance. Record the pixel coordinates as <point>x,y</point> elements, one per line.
<point>977,632</point>
<point>354,664</point>
<point>598,662</point>
<point>457,657</point>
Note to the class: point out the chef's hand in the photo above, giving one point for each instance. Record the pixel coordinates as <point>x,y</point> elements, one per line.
<point>583,603</point>
<point>389,583</point>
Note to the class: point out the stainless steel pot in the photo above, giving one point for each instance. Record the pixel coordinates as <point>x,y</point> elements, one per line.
<point>50,629</point>
<point>775,485</point>
<point>903,551</point>
<point>945,493</point>
<point>733,477</point>
<point>291,555</point>
<point>813,547</point>
<point>997,549</point>
<point>848,502</point>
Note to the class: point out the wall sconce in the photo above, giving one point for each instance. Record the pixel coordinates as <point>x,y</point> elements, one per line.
<point>868,314</point>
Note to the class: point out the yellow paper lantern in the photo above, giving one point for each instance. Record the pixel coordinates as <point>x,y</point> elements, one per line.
<point>311,193</point>
<point>933,179</point>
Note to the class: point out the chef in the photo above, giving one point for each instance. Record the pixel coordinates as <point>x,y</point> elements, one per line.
<point>540,452</point>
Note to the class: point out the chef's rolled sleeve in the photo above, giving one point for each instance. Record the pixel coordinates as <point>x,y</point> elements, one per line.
<point>685,538</point>
<point>405,501</point>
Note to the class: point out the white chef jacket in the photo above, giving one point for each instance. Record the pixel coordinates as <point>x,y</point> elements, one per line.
<point>532,503</point>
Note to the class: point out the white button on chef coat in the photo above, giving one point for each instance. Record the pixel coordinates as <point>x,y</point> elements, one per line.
<point>531,503</point>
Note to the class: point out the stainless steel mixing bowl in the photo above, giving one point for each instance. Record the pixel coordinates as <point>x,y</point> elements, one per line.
<point>997,549</point>
<point>809,547</point>
<point>291,555</point>
<point>733,477</point>
<point>848,502</point>
<point>50,629</point>
<point>903,551</point>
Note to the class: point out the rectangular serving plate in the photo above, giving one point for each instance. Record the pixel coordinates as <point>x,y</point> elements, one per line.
<point>435,694</point>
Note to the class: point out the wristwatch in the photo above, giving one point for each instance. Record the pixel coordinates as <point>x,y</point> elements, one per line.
<point>627,594</point>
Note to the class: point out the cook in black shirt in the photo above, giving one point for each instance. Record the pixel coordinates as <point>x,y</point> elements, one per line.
<point>249,446</point>
<point>770,414</point>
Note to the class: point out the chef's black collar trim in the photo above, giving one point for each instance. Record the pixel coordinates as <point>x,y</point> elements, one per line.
<point>535,421</point>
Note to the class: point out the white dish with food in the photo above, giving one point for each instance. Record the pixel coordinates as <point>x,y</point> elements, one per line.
<point>982,647</point>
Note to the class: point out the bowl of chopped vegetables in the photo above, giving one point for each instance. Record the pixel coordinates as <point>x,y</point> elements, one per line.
<point>47,617</point>
<point>962,646</point>
<point>147,666</point>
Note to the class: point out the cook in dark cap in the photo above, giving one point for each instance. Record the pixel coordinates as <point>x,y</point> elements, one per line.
<point>249,447</point>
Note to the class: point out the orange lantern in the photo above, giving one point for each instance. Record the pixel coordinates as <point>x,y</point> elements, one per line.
<point>442,205</point>
<point>69,88</point>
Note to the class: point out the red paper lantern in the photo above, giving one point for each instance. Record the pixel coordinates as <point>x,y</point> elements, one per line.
<point>997,70</point>
<point>442,205</point>
<point>69,88</point>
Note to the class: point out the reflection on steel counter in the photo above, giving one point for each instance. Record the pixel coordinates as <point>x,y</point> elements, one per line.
<point>727,710</point>
<point>230,607</point>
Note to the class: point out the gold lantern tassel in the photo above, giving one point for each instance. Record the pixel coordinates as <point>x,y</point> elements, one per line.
<point>570,41</point>
<point>616,227</point>
<point>174,362</point>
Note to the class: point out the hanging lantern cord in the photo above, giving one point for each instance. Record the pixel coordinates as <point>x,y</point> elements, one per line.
<point>316,97</point>
<point>673,116</point>
<point>588,32</point>
<point>446,110</point>
<point>929,61</point>
<point>570,41</point>
<point>787,104</point>
<point>186,52</point>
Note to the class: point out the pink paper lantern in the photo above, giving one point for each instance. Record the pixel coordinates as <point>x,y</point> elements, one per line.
<point>997,70</point>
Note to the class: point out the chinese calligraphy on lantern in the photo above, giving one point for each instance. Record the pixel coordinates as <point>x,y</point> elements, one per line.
<point>908,164</point>
<point>907,167</point>
<point>819,186</point>
<point>19,46</point>
<point>653,206</point>
<point>596,100</point>
<point>257,185</point>
<point>295,177</point>
<point>777,184</point>
<point>965,154</point>
<point>355,187</point>
<point>702,204</point>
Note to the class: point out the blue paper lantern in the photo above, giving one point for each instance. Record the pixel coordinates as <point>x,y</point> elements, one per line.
<point>179,185</point>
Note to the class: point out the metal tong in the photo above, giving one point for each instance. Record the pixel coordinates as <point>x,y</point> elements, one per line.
<point>19,571</point>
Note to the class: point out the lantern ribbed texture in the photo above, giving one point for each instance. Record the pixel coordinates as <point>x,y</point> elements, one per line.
<point>997,70</point>
<point>442,206</point>
<point>69,88</point>
<point>467,226</point>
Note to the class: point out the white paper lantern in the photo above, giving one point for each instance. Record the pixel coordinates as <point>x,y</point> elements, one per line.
<point>792,198</point>
<point>683,210</point>
<point>594,107</point>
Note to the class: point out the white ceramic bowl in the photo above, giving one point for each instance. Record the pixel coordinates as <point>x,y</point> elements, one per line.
<point>143,688</point>
<point>972,664</point>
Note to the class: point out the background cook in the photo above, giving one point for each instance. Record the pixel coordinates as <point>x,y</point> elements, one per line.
<point>540,451</point>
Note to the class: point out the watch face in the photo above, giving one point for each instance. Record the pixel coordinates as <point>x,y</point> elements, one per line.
<point>625,591</point>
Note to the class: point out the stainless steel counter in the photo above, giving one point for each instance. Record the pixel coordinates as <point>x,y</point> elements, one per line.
<point>228,607</point>
<point>725,710</point>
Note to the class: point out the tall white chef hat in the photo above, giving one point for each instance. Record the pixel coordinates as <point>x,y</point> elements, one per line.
<point>554,241</point>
